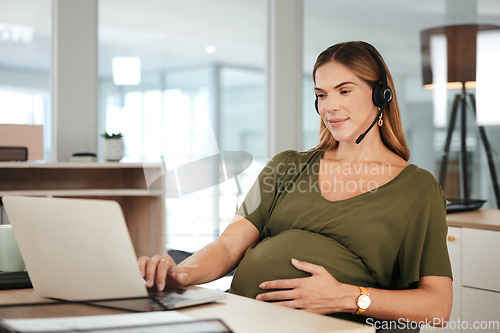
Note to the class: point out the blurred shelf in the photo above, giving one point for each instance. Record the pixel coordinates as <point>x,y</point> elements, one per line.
<point>143,204</point>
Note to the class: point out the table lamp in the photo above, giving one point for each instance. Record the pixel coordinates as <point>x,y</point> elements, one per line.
<point>449,58</point>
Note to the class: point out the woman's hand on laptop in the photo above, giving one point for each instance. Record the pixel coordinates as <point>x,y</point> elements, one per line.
<point>162,271</point>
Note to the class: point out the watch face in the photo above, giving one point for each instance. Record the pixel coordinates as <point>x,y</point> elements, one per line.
<point>364,302</point>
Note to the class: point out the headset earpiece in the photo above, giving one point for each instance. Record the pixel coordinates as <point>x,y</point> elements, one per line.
<point>316,104</point>
<point>381,95</point>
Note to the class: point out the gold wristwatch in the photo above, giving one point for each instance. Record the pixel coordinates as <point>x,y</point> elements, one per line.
<point>363,301</point>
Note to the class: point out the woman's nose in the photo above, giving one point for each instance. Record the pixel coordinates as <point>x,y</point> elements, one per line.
<point>330,105</point>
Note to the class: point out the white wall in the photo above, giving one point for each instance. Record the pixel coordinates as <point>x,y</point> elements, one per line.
<point>74,77</point>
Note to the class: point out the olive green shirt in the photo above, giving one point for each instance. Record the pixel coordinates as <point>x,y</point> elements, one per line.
<point>385,238</point>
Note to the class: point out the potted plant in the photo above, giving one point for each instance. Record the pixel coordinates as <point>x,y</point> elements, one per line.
<point>112,146</point>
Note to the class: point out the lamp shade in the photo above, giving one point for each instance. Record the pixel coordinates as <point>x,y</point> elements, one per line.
<point>459,49</point>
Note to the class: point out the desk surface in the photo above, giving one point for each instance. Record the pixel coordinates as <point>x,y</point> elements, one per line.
<point>239,313</point>
<point>487,219</point>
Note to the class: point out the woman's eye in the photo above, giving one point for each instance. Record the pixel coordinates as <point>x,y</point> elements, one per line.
<point>345,91</point>
<point>320,95</point>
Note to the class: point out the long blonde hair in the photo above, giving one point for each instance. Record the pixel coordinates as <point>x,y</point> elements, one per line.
<point>357,57</point>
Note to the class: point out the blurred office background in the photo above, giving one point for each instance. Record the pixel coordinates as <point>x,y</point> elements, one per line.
<point>201,85</point>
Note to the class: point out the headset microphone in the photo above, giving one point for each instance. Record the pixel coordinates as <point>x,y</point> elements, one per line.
<point>362,136</point>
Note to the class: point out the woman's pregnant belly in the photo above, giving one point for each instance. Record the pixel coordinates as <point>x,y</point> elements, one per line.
<point>271,260</point>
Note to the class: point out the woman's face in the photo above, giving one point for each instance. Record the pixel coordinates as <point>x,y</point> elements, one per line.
<point>344,101</point>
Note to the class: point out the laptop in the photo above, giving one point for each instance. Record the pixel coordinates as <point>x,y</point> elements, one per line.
<point>80,250</point>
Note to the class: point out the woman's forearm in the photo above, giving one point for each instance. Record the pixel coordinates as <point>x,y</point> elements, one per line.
<point>222,255</point>
<point>430,303</point>
<point>208,264</point>
<point>322,293</point>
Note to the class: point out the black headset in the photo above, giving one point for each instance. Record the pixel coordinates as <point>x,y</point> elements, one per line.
<point>381,94</point>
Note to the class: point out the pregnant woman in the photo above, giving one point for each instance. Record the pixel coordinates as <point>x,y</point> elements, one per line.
<point>348,228</point>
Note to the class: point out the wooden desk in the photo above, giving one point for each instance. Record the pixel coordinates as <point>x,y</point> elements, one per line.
<point>239,313</point>
<point>143,207</point>
<point>486,219</point>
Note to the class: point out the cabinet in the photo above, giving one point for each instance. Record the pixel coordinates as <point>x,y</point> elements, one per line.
<point>481,310</point>
<point>474,247</point>
<point>481,259</point>
<point>481,277</point>
<point>143,204</point>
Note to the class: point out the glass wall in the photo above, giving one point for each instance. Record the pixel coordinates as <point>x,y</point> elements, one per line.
<point>394,28</point>
<point>24,64</point>
<point>200,93</point>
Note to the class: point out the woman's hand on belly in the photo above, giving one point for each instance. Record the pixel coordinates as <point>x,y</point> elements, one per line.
<point>319,293</point>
